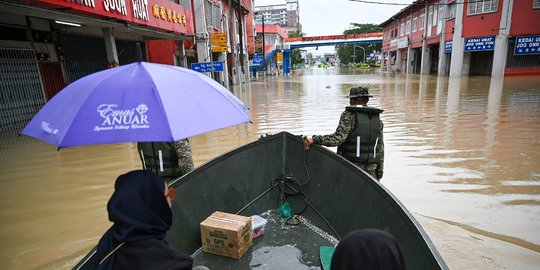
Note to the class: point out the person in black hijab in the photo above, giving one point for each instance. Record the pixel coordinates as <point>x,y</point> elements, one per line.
<point>140,209</point>
<point>368,249</point>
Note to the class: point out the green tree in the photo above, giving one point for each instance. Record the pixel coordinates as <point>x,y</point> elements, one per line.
<point>345,52</point>
<point>296,55</point>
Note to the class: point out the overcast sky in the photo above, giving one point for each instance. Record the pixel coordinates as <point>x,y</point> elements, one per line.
<point>332,17</point>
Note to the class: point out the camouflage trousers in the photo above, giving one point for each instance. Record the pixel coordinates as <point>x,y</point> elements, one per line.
<point>185,160</point>
<point>370,168</point>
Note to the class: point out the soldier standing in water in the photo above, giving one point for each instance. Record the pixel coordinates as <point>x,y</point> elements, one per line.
<point>359,136</point>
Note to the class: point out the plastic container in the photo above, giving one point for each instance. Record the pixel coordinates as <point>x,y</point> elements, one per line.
<point>257,224</point>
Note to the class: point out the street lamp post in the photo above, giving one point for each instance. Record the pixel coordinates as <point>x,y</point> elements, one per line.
<point>354,52</point>
<point>263,43</point>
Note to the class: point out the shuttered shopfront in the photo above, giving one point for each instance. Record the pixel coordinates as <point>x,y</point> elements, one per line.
<point>21,90</point>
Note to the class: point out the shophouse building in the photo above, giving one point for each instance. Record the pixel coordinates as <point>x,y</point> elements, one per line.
<point>46,44</point>
<point>468,37</point>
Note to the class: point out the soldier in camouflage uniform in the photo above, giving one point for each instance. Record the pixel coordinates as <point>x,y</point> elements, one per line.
<point>355,120</point>
<point>185,160</point>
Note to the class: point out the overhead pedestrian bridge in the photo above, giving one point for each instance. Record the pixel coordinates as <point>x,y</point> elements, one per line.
<point>319,41</point>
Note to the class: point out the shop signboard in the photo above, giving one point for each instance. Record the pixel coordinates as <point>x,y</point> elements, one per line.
<point>207,66</point>
<point>448,46</point>
<point>403,42</point>
<point>527,45</point>
<point>479,44</point>
<point>160,14</point>
<point>257,59</point>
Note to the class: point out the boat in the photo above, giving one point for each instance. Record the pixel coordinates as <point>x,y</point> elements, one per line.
<point>328,197</point>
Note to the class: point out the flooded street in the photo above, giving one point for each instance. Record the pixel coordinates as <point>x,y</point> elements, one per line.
<point>462,155</point>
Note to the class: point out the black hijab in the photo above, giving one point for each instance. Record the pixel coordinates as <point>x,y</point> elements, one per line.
<point>139,211</point>
<point>368,249</point>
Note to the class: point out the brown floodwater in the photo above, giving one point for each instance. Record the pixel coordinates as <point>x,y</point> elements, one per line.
<point>463,155</point>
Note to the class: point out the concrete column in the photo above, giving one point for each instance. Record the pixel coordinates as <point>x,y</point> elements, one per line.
<point>201,34</point>
<point>110,45</point>
<point>443,57</point>
<point>382,61</point>
<point>180,56</point>
<point>410,59</point>
<point>223,76</point>
<point>501,41</point>
<point>456,62</point>
<point>398,59</point>
<point>424,62</point>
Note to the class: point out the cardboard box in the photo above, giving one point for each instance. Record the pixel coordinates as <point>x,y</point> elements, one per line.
<point>226,234</point>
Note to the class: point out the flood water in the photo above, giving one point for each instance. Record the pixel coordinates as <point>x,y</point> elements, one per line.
<point>463,155</point>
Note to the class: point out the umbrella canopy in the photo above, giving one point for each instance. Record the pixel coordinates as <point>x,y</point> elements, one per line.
<point>139,102</point>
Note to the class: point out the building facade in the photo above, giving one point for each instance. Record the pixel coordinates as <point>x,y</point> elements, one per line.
<point>286,15</point>
<point>460,38</point>
<point>46,44</point>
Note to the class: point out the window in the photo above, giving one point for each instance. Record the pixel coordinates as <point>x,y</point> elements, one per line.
<point>434,15</point>
<point>408,27</point>
<point>536,4</point>
<point>441,10</point>
<point>430,15</point>
<point>451,11</point>
<point>482,6</point>
<point>414,22</point>
<point>213,15</point>
<point>422,19</point>
<point>402,27</point>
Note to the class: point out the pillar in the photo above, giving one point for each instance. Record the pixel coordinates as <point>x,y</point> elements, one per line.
<point>501,41</point>
<point>410,59</point>
<point>110,46</point>
<point>456,62</point>
<point>201,35</point>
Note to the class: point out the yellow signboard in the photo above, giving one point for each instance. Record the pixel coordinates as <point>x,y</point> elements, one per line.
<point>279,56</point>
<point>219,49</point>
<point>219,36</point>
<point>219,42</point>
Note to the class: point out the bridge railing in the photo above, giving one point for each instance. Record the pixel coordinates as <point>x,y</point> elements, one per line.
<point>349,36</point>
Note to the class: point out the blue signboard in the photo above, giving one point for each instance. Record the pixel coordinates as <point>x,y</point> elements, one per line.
<point>448,46</point>
<point>527,45</point>
<point>257,59</point>
<point>479,44</point>
<point>207,66</point>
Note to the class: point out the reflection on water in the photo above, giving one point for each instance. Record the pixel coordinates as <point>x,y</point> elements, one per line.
<point>462,154</point>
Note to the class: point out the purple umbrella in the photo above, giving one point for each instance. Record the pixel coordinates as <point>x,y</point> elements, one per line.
<point>139,102</point>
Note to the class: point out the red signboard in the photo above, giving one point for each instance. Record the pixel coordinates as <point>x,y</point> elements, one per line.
<point>160,14</point>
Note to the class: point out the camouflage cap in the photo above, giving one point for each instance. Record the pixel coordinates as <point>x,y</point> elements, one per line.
<point>359,91</point>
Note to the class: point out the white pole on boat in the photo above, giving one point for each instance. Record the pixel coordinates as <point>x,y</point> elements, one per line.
<point>357,146</point>
<point>143,162</point>
<point>160,160</point>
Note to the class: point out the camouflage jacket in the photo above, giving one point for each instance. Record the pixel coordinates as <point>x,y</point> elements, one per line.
<point>185,159</point>
<point>346,125</point>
